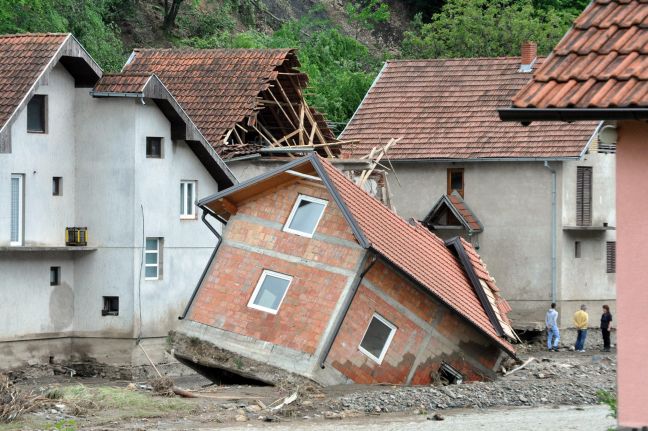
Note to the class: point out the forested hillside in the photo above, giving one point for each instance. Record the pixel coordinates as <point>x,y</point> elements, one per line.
<point>342,43</point>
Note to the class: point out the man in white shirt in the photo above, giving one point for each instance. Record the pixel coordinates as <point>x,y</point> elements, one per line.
<point>551,321</point>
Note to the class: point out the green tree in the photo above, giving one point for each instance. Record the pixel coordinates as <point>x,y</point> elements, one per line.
<point>366,15</point>
<point>488,28</point>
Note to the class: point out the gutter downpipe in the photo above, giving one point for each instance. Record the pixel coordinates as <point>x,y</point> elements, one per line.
<point>554,288</point>
<point>211,258</point>
<point>344,311</point>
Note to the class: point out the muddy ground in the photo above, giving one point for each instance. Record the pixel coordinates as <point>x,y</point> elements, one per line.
<point>551,379</point>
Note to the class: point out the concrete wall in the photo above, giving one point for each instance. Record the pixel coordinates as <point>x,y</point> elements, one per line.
<point>428,333</point>
<point>632,273</point>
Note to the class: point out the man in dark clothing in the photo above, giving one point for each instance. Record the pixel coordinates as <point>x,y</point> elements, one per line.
<point>606,326</point>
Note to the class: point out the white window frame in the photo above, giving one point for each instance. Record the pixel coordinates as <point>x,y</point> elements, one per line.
<point>294,210</point>
<point>187,213</point>
<point>393,329</point>
<point>21,209</point>
<point>158,252</point>
<point>266,273</point>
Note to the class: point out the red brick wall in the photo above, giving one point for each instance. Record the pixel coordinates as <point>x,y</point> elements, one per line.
<point>463,341</point>
<point>313,293</point>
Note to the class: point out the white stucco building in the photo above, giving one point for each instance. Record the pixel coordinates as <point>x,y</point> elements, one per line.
<point>116,155</point>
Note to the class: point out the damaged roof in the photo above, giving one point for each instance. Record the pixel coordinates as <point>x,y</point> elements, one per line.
<point>458,207</point>
<point>222,87</point>
<point>447,109</point>
<point>411,248</point>
<point>600,65</point>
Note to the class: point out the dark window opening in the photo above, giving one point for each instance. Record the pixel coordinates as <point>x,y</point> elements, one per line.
<point>584,196</point>
<point>377,338</point>
<point>55,275</point>
<point>153,147</point>
<point>57,186</point>
<point>456,181</point>
<point>110,306</point>
<point>577,249</point>
<point>610,249</point>
<point>450,376</point>
<point>36,114</point>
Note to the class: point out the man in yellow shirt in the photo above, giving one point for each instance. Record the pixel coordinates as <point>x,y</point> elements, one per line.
<point>581,320</point>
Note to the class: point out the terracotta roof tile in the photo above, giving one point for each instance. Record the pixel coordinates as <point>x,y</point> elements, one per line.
<point>416,251</point>
<point>128,82</point>
<point>22,59</point>
<point>601,62</point>
<point>447,109</point>
<point>456,204</point>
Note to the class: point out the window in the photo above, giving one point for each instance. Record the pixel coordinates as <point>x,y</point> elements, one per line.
<point>305,216</point>
<point>153,260</point>
<point>55,275</point>
<point>456,180</point>
<point>36,114</point>
<point>584,196</point>
<point>377,338</point>
<point>577,249</point>
<point>187,199</point>
<point>270,291</point>
<point>17,208</point>
<point>57,186</point>
<point>610,249</point>
<point>110,306</point>
<point>153,147</point>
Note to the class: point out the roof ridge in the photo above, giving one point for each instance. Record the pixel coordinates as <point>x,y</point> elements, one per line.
<point>412,60</point>
<point>17,35</point>
<point>206,50</point>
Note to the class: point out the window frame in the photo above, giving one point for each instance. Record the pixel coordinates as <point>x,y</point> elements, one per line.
<point>146,149</point>
<point>257,289</point>
<point>390,337</point>
<point>55,274</point>
<point>43,114</point>
<point>183,200</point>
<point>21,209</point>
<point>450,171</point>
<point>158,262</point>
<point>301,198</point>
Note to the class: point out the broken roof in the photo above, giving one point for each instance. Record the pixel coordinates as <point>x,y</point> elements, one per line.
<point>598,70</point>
<point>411,248</point>
<point>25,60</point>
<point>458,207</point>
<point>447,109</point>
<point>220,88</point>
<point>148,85</point>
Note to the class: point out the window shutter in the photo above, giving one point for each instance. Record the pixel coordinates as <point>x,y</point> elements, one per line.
<point>584,196</point>
<point>611,257</point>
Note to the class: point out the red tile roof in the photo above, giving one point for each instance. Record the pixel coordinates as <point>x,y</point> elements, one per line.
<point>22,60</point>
<point>221,87</point>
<point>415,250</point>
<point>455,203</point>
<point>447,109</point>
<point>601,62</point>
<point>129,82</point>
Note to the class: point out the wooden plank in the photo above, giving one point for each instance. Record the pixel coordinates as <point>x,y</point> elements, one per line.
<point>285,96</point>
<point>228,206</point>
<point>281,108</point>
<point>301,123</point>
<point>319,134</point>
<point>263,136</point>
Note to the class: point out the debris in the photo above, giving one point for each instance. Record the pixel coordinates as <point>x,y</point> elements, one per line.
<point>162,386</point>
<point>14,402</point>
<point>288,400</point>
<point>527,362</point>
<point>436,417</point>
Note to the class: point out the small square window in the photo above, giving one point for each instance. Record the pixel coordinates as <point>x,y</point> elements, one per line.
<point>377,338</point>
<point>110,306</point>
<point>577,249</point>
<point>57,186</point>
<point>187,199</point>
<point>270,291</point>
<point>153,259</point>
<point>305,216</point>
<point>36,109</point>
<point>153,147</point>
<point>55,275</point>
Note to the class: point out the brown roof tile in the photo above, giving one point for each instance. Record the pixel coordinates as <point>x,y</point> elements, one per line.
<point>447,109</point>
<point>22,59</point>
<point>600,63</point>
<point>128,82</point>
<point>456,204</point>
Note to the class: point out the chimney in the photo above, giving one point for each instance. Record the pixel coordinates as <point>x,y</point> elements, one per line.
<point>529,55</point>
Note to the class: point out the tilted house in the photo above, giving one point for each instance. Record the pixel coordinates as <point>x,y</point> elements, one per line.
<point>316,277</point>
<point>537,200</point>
<point>598,72</point>
<point>117,157</point>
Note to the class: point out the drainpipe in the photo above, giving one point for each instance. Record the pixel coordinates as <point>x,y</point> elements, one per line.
<point>554,288</point>
<point>211,258</point>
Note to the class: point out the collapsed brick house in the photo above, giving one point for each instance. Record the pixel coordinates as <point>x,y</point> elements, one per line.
<point>314,276</point>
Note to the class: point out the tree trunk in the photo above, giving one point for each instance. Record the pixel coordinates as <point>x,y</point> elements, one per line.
<point>170,13</point>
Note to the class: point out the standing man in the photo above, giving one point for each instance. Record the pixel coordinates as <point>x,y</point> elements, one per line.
<point>551,321</point>
<point>581,319</point>
<point>606,326</point>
